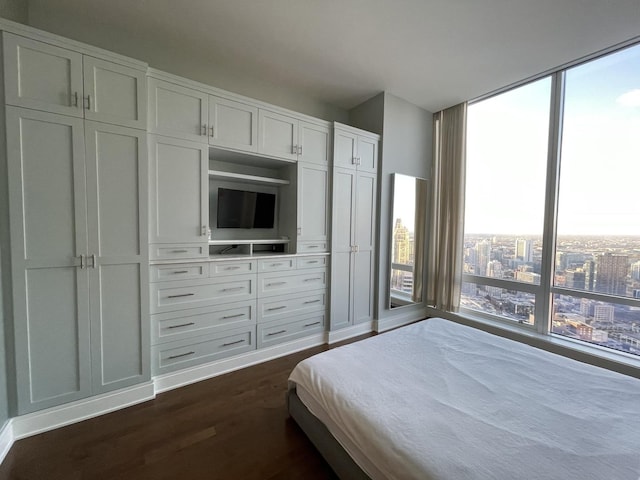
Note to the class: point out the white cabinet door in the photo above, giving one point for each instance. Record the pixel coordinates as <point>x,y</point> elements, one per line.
<point>114,93</point>
<point>278,135</point>
<point>41,76</point>
<point>48,225</point>
<point>117,200</point>
<point>315,141</point>
<point>179,208</point>
<point>343,210</point>
<point>233,124</point>
<point>341,290</point>
<point>367,154</point>
<point>363,261</point>
<point>313,191</point>
<point>177,111</point>
<point>344,149</point>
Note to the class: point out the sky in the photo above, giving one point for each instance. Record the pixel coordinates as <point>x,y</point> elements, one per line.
<point>600,163</point>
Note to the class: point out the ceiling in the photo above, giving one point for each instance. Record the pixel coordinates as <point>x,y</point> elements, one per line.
<point>433,53</point>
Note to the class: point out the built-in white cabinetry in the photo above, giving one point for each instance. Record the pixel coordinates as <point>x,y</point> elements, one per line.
<point>191,114</point>
<point>47,77</point>
<point>353,243</point>
<point>313,207</point>
<point>352,150</point>
<point>179,208</point>
<point>79,256</point>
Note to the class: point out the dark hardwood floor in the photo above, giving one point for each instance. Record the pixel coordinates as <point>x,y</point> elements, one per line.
<point>234,426</point>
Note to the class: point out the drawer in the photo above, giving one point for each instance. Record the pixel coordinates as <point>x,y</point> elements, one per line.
<point>178,271</point>
<point>312,247</point>
<point>276,283</point>
<point>167,327</point>
<point>169,357</point>
<point>312,262</point>
<point>272,308</point>
<point>235,267</point>
<point>289,329</point>
<point>171,296</point>
<point>178,251</point>
<point>276,264</point>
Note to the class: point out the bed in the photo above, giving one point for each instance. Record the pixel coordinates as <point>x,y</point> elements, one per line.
<point>439,400</point>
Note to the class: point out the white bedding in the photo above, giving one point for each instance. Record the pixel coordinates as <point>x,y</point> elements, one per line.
<point>438,400</point>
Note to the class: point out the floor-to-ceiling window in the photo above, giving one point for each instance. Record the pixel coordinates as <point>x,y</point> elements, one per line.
<point>552,218</point>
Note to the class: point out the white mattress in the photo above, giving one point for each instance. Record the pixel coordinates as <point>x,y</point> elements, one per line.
<point>438,400</point>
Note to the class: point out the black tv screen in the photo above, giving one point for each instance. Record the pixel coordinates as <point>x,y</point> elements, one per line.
<point>243,209</point>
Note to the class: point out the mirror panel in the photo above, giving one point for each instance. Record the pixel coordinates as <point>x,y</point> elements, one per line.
<point>408,229</point>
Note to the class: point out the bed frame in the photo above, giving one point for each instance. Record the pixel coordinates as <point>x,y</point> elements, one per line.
<point>339,460</point>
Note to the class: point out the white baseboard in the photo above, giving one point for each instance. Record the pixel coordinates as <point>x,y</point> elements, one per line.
<point>350,332</point>
<point>6,439</point>
<point>44,420</point>
<point>169,381</point>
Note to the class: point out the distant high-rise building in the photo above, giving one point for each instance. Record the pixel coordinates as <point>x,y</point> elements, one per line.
<point>524,250</point>
<point>589,268</point>
<point>566,260</point>
<point>483,256</point>
<point>402,244</point>
<point>494,269</point>
<point>575,279</point>
<point>635,271</point>
<point>611,273</point>
<point>603,312</point>
<point>586,307</point>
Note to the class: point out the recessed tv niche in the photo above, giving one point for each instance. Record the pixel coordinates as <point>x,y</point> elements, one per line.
<point>244,209</point>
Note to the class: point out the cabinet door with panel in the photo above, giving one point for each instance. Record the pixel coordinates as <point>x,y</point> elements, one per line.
<point>313,202</point>
<point>177,111</point>
<point>278,135</point>
<point>233,124</point>
<point>46,173</point>
<point>54,79</point>
<point>179,209</point>
<point>116,159</point>
<point>315,142</point>
<point>345,147</point>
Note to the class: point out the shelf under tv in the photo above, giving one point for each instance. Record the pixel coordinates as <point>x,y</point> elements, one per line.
<point>248,247</point>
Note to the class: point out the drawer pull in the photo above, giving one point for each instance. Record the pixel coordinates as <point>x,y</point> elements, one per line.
<point>312,279</point>
<point>233,343</point>
<point>312,261</point>
<point>181,355</point>
<point>276,333</point>
<point>232,268</point>
<point>276,308</point>
<point>179,251</point>
<point>312,246</point>
<point>275,264</point>
<point>181,295</point>
<point>181,325</point>
<point>312,324</point>
<point>177,272</point>
<point>233,289</point>
<point>226,317</point>
<point>311,301</point>
<point>275,283</point>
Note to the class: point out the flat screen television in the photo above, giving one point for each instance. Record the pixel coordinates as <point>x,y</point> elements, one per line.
<point>243,209</point>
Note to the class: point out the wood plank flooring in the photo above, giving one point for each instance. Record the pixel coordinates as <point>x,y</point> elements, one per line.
<point>234,426</point>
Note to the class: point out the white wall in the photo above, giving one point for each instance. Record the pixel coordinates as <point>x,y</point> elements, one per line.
<point>173,57</point>
<point>406,148</point>
<point>15,10</point>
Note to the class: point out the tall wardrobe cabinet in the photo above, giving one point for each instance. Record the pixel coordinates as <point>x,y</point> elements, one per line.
<point>77,187</point>
<point>353,239</point>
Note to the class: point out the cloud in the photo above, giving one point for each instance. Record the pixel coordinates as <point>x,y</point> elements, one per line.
<point>630,98</point>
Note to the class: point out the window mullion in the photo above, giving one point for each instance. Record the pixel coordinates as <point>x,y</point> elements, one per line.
<point>543,302</point>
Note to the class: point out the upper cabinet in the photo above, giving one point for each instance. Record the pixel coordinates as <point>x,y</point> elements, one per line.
<point>46,77</point>
<point>292,139</point>
<point>191,114</point>
<point>354,150</point>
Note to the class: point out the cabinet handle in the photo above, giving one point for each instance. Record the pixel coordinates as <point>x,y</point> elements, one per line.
<point>211,130</point>
<point>233,343</point>
<point>312,324</point>
<point>312,279</point>
<point>181,355</point>
<point>177,272</point>
<point>82,265</point>
<point>182,295</point>
<point>354,160</point>
<point>276,333</point>
<point>275,283</point>
<point>311,301</point>
<point>75,99</point>
<point>232,268</point>
<point>93,260</point>
<point>204,129</point>
<point>276,308</point>
<point>203,231</point>
<point>179,251</point>
<point>234,289</point>
<point>299,230</point>
<point>294,149</point>
<point>312,246</point>
<point>181,325</point>
<point>237,315</point>
<point>275,264</point>
<point>312,261</point>
<point>299,149</point>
